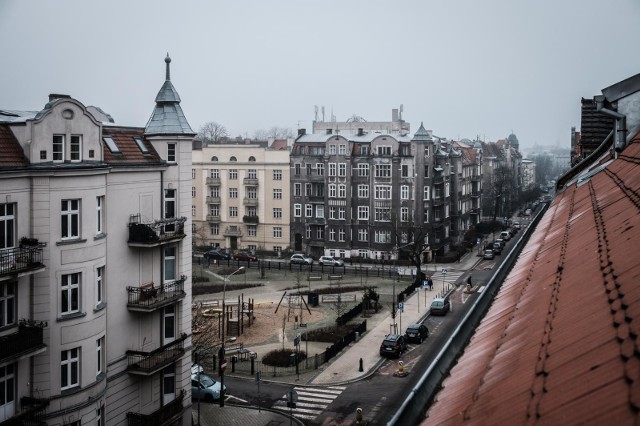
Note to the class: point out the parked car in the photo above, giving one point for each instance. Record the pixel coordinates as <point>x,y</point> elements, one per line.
<point>488,254</point>
<point>501,241</point>
<point>516,225</point>
<point>245,255</point>
<point>527,212</point>
<point>331,261</point>
<point>301,259</point>
<point>216,254</point>
<point>441,305</point>
<point>416,333</point>
<point>393,344</point>
<point>204,387</point>
<point>497,248</point>
<point>505,235</point>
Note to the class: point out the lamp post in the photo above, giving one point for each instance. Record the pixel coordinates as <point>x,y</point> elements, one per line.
<point>394,326</point>
<point>224,314</point>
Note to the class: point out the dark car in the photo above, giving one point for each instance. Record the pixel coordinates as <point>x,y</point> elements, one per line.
<point>215,254</point>
<point>393,345</point>
<point>416,333</point>
<point>440,306</point>
<point>245,255</point>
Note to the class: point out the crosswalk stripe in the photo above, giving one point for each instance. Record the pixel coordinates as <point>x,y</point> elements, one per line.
<point>311,401</point>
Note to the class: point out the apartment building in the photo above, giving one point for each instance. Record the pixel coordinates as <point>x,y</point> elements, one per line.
<point>95,265</point>
<point>359,187</point>
<point>240,196</point>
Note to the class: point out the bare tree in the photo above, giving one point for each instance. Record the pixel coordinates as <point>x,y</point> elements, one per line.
<point>212,132</point>
<point>199,236</point>
<point>274,132</point>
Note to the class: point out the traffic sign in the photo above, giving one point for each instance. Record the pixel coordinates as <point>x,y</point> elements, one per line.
<point>401,306</point>
<point>296,340</point>
<point>425,283</point>
<point>223,365</point>
<point>444,270</point>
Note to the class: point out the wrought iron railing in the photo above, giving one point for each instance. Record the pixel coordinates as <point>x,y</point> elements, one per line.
<point>21,259</point>
<point>149,362</point>
<point>150,297</point>
<point>250,219</point>
<point>29,337</point>
<point>159,417</point>
<point>157,231</point>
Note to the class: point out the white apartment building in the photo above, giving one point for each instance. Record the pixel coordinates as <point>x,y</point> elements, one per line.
<point>240,197</point>
<point>95,265</point>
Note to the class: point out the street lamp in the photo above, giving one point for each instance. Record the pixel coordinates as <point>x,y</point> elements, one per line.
<point>397,277</point>
<point>224,314</point>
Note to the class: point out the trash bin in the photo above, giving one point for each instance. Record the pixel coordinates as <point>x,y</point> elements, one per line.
<point>357,336</point>
<point>313,299</point>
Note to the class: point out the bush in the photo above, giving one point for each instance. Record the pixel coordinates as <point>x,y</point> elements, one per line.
<point>327,334</point>
<point>200,279</point>
<point>282,357</point>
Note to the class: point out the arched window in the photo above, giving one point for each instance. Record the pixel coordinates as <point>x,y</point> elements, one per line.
<point>214,158</point>
<point>252,158</point>
<point>233,158</point>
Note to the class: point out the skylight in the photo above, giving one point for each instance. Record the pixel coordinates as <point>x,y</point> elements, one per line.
<point>111,144</point>
<point>141,145</point>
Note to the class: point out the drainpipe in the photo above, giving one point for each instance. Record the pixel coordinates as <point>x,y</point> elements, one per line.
<point>621,123</point>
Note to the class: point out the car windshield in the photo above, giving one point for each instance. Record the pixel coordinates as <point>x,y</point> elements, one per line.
<point>207,381</point>
<point>437,303</point>
<point>412,330</point>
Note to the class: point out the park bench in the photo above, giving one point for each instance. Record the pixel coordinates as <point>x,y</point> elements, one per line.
<point>335,277</point>
<point>314,277</point>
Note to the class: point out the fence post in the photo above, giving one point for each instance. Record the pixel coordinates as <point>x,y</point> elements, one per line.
<point>253,366</point>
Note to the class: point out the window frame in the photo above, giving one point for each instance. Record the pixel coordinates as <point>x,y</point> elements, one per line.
<point>70,292</point>
<point>70,219</point>
<point>70,363</point>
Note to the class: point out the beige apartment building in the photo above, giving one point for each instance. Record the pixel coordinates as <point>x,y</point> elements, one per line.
<point>95,265</point>
<point>240,197</point>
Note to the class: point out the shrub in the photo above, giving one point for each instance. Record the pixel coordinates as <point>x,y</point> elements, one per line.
<point>282,357</point>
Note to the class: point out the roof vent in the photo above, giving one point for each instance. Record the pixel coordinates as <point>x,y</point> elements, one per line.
<point>302,132</point>
<point>54,96</point>
<point>329,131</point>
<point>360,131</point>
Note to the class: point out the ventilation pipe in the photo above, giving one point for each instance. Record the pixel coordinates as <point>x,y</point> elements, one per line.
<point>621,123</point>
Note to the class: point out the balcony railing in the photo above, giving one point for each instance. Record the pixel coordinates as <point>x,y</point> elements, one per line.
<point>316,221</point>
<point>21,260</point>
<point>213,200</point>
<point>148,363</point>
<point>156,233</point>
<point>213,218</point>
<point>28,340</point>
<point>250,201</point>
<point>250,219</point>
<point>232,232</point>
<point>149,298</point>
<point>164,416</point>
<point>250,181</point>
<point>32,413</point>
<point>213,181</point>
<point>316,198</point>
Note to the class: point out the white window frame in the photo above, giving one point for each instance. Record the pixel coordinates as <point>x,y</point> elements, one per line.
<point>363,212</point>
<point>70,363</point>
<point>277,194</point>
<point>70,215</point>
<point>332,169</point>
<point>233,192</point>
<point>252,230</point>
<point>427,193</point>
<point>277,232</point>
<point>297,189</point>
<point>277,175</point>
<point>8,303</point>
<point>363,235</point>
<point>342,149</point>
<point>404,214</point>
<point>320,211</point>
<point>100,285</point>
<point>342,190</point>
<point>297,210</point>
<point>233,211</point>
<point>75,148</point>
<point>70,289</point>
<point>342,213</point>
<point>332,149</point>
<point>277,213</point>
<point>171,152</point>
<point>363,191</point>
<point>342,169</point>
<point>233,174</point>
<point>383,170</point>
<point>384,150</point>
<point>332,234</point>
<point>100,215</point>
<point>320,169</point>
<point>57,149</point>
<point>308,210</point>
<point>404,192</point>
<point>99,356</point>
<point>383,192</point>
<point>170,259</point>
<point>332,190</point>
<point>341,234</point>
<point>363,170</point>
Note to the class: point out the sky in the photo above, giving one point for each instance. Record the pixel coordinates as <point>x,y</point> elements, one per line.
<point>464,68</point>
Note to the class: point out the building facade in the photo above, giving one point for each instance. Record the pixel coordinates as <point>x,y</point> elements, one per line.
<point>241,197</point>
<point>95,265</point>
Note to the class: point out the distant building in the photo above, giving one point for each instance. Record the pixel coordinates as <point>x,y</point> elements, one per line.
<point>95,265</point>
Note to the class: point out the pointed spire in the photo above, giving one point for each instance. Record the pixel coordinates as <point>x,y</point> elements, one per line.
<point>168,61</point>
<point>422,135</point>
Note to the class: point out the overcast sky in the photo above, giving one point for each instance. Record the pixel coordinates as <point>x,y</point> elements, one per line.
<point>464,68</point>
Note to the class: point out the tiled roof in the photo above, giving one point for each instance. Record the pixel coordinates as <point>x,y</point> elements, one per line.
<point>279,144</point>
<point>560,344</point>
<point>130,153</point>
<point>11,153</point>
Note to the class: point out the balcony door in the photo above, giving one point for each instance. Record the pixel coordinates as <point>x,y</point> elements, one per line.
<point>7,392</point>
<point>168,384</point>
<point>168,324</point>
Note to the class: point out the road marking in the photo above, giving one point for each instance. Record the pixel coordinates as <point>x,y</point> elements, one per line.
<point>311,401</point>
<point>481,289</point>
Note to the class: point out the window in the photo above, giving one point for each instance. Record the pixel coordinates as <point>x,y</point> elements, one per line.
<point>383,192</point>
<point>58,147</point>
<point>277,194</point>
<point>252,231</point>
<point>233,192</point>
<point>307,189</point>
<point>404,170</point>
<point>194,228</point>
<point>252,193</point>
<point>193,173</point>
<point>233,212</point>
<point>99,285</point>
<point>363,170</point>
<point>404,192</point>
<point>99,355</point>
<point>7,225</point>
<point>7,305</point>
<point>308,232</point>
<point>193,210</point>
<point>363,235</point>
<point>252,158</point>
<point>296,170</point>
<point>70,294</point>
<point>69,368</point>
<point>277,232</point>
<point>404,214</point>
<point>75,148</point>
<point>100,416</point>
<point>170,273</point>
<point>332,149</point>
<point>252,174</point>
<point>297,210</point>
<point>193,192</point>
<point>277,250</point>
<point>426,193</point>
<point>233,174</point>
<point>144,149</point>
<point>169,324</point>
<point>308,210</point>
<point>426,151</point>
<point>383,150</point>
<point>382,236</point>
<point>297,189</point>
<point>111,144</point>
<point>214,210</point>
<point>214,173</point>
<point>426,171</point>
<point>332,190</point>
<point>363,191</point>
<point>169,203</point>
<point>277,175</point>
<point>332,234</point>
<point>70,219</point>
<point>382,214</point>
<point>99,215</point>
<point>320,169</point>
<point>214,229</point>
<point>341,234</point>
<point>363,212</point>
<point>342,149</point>
<point>320,233</point>
<point>251,211</point>
<point>332,169</point>
<point>342,213</point>
<point>277,213</point>
<point>320,211</point>
<point>171,152</point>
<point>342,169</point>
<point>332,212</point>
<point>308,169</point>
<point>215,192</point>
<point>7,390</point>
<point>342,191</point>
<point>383,170</point>
<point>233,158</point>
<point>364,150</point>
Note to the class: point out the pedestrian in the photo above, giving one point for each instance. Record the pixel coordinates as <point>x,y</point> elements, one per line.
<point>469,280</point>
<point>430,283</point>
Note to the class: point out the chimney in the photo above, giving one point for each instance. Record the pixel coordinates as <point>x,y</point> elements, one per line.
<point>302,132</point>
<point>54,96</point>
<point>360,131</point>
<point>394,115</point>
<point>329,131</point>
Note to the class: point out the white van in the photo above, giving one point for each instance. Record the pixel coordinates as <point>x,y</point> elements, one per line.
<point>505,235</point>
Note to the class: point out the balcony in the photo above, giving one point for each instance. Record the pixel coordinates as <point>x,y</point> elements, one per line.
<point>316,198</point>
<point>213,218</point>
<point>438,180</point>
<point>250,201</point>
<point>27,341</point>
<point>148,298</point>
<point>213,200</point>
<point>232,231</point>
<point>475,194</point>
<point>315,221</point>
<point>250,181</point>
<point>157,233</point>
<point>19,261</point>
<point>213,181</point>
<point>437,201</point>
<point>250,219</point>
<point>32,412</point>
<point>166,415</point>
<point>476,178</point>
<point>147,363</point>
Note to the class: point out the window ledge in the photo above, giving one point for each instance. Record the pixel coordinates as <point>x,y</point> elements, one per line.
<point>100,236</point>
<point>69,242</point>
<point>100,306</point>
<point>71,316</point>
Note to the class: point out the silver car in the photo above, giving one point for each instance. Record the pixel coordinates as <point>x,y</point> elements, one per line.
<point>204,387</point>
<point>302,259</point>
<point>330,261</point>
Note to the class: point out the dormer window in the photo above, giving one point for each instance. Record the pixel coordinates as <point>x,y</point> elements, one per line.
<point>75,148</point>
<point>214,158</point>
<point>233,159</point>
<point>252,158</point>
<point>141,145</point>
<point>171,152</point>
<point>58,148</point>
<point>111,144</point>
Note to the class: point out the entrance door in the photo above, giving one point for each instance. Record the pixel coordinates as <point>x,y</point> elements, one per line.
<point>233,242</point>
<point>298,243</point>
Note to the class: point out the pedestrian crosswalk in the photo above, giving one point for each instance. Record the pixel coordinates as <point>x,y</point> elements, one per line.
<point>311,400</point>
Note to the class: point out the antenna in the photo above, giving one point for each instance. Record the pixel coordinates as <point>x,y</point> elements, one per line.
<point>315,110</point>
<point>401,109</point>
<point>323,114</point>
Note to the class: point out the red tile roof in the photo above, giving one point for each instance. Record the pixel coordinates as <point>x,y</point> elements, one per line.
<point>124,137</point>
<point>561,342</point>
<point>11,153</point>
